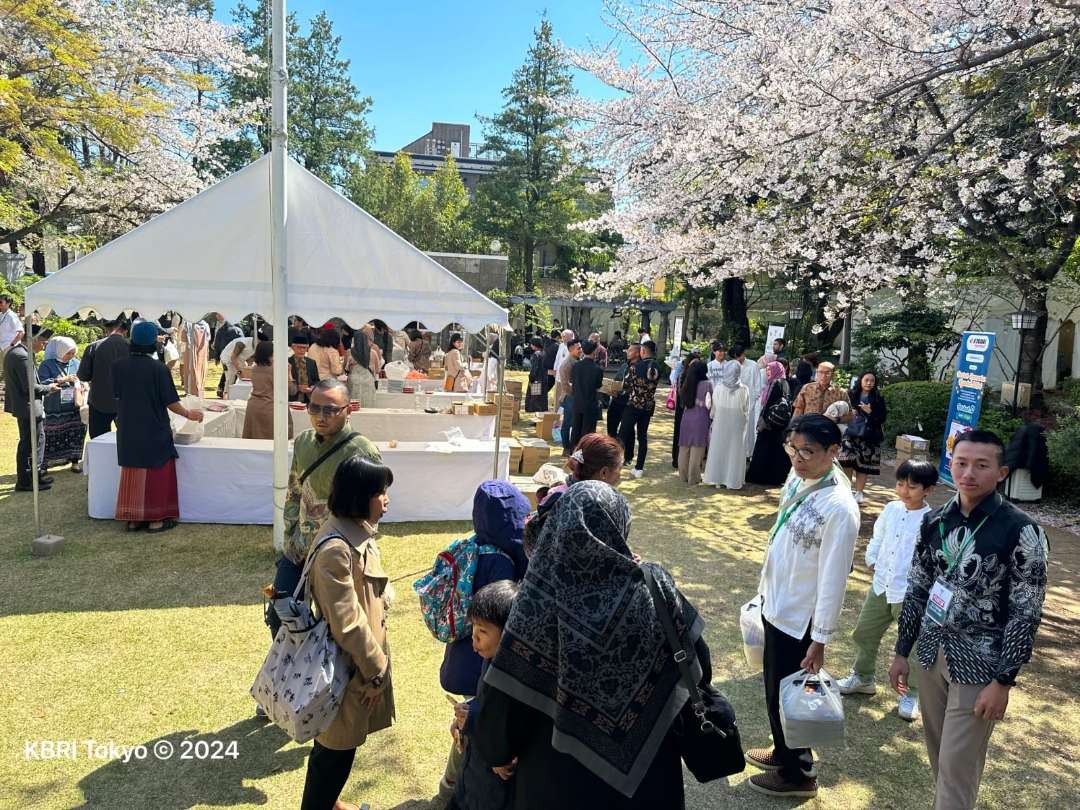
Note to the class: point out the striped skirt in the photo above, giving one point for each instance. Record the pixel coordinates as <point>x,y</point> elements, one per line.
<point>148,495</point>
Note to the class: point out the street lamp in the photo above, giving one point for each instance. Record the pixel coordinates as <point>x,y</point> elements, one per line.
<point>13,266</point>
<point>1022,320</point>
<point>795,314</point>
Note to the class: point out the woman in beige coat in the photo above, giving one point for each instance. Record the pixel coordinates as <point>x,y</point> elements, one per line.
<point>349,586</point>
<point>458,376</point>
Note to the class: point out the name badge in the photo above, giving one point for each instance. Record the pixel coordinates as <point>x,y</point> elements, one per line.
<point>937,607</point>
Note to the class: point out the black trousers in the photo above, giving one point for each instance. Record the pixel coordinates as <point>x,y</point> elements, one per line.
<point>675,438</point>
<point>585,422</point>
<point>614,415</point>
<point>100,422</point>
<point>327,772</point>
<point>24,472</point>
<point>783,655</point>
<point>635,424</point>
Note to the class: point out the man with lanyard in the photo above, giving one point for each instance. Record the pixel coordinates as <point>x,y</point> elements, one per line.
<point>618,403</point>
<point>974,601</point>
<point>316,456</point>
<point>807,561</point>
<point>640,384</point>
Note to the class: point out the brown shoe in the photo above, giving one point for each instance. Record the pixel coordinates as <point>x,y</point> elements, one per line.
<point>763,758</point>
<point>773,784</point>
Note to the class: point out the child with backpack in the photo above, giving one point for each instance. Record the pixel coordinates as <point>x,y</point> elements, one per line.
<point>889,556</point>
<point>493,553</point>
<point>484,785</point>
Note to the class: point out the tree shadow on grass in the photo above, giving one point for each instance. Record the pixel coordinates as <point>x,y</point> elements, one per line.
<point>172,782</point>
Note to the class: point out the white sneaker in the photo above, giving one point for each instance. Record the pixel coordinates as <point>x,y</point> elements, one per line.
<point>637,473</point>
<point>852,684</point>
<point>908,708</point>
<point>859,496</point>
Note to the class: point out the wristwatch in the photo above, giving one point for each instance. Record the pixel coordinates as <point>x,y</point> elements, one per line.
<point>378,680</point>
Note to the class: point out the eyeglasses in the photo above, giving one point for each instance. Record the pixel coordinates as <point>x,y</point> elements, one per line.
<point>805,453</point>
<point>325,410</point>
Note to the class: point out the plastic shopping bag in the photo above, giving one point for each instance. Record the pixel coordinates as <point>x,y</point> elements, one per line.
<point>753,634</point>
<point>811,710</point>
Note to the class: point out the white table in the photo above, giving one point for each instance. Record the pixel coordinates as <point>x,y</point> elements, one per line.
<point>241,389</point>
<point>384,424</point>
<point>230,480</point>
<point>423,385</point>
<point>440,400</point>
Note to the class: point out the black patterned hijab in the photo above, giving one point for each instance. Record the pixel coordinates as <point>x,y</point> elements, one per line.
<point>583,643</point>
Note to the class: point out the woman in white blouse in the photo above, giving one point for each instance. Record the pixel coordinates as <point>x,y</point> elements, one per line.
<point>802,586</point>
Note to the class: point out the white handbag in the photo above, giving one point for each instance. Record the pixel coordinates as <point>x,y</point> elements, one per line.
<point>811,710</point>
<point>303,679</point>
<point>753,634</point>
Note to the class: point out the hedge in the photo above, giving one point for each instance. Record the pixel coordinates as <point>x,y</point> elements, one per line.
<point>916,407</point>
<point>1064,445</point>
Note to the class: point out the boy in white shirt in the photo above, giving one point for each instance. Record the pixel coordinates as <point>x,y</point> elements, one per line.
<point>889,556</point>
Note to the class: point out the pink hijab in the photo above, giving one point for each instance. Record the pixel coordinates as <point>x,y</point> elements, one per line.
<point>773,372</point>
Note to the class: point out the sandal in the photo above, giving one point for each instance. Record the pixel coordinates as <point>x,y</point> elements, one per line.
<point>135,526</point>
<point>164,527</point>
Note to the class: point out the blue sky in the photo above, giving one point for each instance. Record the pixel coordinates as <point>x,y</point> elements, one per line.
<point>448,62</point>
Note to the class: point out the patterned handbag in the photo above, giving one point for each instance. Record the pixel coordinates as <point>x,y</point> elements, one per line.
<point>303,679</point>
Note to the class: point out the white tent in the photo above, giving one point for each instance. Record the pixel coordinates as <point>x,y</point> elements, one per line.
<point>211,253</point>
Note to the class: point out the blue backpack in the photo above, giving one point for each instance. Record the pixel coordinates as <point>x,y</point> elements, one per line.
<point>446,591</point>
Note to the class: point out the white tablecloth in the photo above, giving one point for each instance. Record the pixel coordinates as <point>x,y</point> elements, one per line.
<point>240,390</point>
<point>440,400</point>
<point>382,425</point>
<point>423,385</point>
<point>229,480</point>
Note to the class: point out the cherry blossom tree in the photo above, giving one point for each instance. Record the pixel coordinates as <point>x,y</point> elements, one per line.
<point>114,107</point>
<point>848,145</point>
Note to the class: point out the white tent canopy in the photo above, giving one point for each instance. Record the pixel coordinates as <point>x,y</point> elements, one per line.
<point>211,253</point>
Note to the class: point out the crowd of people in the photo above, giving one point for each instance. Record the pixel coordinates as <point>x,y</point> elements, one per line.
<point>571,692</point>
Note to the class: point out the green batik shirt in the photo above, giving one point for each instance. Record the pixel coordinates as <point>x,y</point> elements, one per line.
<point>305,507</point>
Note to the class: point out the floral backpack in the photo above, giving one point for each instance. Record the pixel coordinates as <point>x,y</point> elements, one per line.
<point>446,591</point>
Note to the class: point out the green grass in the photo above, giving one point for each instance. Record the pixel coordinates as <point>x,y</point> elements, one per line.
<point>139,638</point>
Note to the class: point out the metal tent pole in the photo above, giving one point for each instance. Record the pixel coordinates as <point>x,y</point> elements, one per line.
<point>278,219</point>
<point>31,376</point>
<point>500,395</point>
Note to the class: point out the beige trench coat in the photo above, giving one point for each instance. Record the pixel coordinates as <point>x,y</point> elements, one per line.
<point>349,586</point>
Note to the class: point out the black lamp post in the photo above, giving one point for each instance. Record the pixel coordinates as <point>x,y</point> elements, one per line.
<point>1022,320</point>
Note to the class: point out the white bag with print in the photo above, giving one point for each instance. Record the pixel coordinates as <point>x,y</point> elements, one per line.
<point>811,710</point>
<point>753,634</point>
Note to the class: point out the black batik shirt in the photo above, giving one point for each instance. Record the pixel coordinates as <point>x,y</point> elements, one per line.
<point>998,586</point>
<point>640,383</point>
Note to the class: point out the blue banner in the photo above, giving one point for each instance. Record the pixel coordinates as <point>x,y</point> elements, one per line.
<point>972,365</point>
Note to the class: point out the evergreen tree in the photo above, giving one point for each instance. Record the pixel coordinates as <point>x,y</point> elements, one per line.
<point>538,189</point>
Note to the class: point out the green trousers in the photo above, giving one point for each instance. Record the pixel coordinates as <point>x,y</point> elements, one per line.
<point>874,619</point>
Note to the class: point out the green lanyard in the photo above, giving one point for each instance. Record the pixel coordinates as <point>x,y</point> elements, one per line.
<point>785,514</point>
<point>951,559</point>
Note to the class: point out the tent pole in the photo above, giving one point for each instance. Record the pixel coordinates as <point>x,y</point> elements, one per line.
<point>500,395</point>
<point>31,376</point>
<point>278,217</point>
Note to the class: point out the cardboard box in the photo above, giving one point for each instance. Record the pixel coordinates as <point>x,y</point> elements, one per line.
<point>904,455</point>
<point>1023,399</point>
<point>611,387</point>
<point>530,493</point>
<point>436,373</point>
<point>908,443</point>
<point>534,453</point>
<point>545,424</point>
<point>485,408</point>
<point>515,455</point>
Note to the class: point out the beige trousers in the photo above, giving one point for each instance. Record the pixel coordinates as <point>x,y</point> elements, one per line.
<point>956,739</point>
<point>691,460</point>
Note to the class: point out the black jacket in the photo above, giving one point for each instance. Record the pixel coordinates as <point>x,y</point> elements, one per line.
<point>17,396</point>
<point>225,334</point>
<point>586,378</point>
<point>875,420</point>
<point>312,375</point>
<point>96,368</point>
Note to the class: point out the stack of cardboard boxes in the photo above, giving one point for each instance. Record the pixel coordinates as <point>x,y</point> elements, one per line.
<point>534,453</point>
<point>545,425</point>
<point>911,448</point>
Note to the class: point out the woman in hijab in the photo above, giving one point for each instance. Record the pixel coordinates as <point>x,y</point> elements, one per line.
<point>770,465</point>
<point>364,365</point>
<point>64,428</point>
<point>499,513</point>
<point>726,462</point>
<point>584,624</point>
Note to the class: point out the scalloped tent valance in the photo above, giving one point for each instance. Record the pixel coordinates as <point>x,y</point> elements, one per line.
<point>211,253</point>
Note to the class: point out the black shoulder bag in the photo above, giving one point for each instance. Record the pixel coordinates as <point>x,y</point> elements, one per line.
<point>706,732</point>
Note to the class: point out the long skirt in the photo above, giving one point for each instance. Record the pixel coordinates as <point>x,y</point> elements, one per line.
<point>858,454</point>
<point>64,437</point>
<point>362,386</point>
<point>770,465</point>
<point>148,495</point>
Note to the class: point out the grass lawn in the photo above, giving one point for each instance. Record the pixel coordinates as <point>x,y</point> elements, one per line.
<point>142,639</point>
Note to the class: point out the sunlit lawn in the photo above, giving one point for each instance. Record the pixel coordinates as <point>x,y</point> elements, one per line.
<point>137,639</point>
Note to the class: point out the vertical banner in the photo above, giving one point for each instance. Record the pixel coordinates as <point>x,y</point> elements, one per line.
<point>972,365</point>
<point>676,343</point>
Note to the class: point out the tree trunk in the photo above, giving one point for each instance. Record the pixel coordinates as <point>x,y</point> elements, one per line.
<point>527,246</point>
<point>39,264</point>
<point>1032,346</point>
<point>918,365</point>
<point>733,307</point>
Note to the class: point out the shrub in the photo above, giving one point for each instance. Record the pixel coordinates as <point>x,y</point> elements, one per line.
<point>79,333</point>
<point>1070,388</point>
<point>916,407</point>
<point>998,419</point>
<point>1064,446</point>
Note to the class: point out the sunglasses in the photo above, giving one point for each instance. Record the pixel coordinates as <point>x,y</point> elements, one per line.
<point>325,410</point>
<point>805,453</point>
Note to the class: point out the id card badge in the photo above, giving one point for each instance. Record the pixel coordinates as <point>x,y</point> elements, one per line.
<point>937,606</point>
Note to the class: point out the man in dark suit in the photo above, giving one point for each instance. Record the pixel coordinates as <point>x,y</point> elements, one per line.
<point>17,402</point>
<point>96,368</point>
<point>550,351</point>
<point>618,403</point>
<point>587,377</point>
<point>303,372</point>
